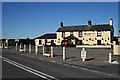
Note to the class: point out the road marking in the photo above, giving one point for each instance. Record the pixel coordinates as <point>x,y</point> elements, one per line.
<point>82,68</point>
<point>33,71</point>
<point>26,69</point>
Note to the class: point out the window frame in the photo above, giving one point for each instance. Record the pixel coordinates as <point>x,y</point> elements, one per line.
<point>80,33</point>
<point>99,33</point>
<point>63,34</point>
<point>71,33</point>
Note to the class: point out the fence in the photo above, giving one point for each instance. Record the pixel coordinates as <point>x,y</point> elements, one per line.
<point>70,53</point>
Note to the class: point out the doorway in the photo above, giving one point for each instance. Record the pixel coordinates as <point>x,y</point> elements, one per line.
<point>99,42</point>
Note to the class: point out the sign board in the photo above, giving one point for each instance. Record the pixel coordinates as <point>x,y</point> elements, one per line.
<point>83,54</point>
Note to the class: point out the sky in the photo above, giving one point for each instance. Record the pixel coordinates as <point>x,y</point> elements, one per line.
<point>33,19</point>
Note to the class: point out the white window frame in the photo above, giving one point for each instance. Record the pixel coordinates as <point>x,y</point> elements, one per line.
<point>80,33</point>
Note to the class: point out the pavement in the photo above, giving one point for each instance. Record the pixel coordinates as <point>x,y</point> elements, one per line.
<point>97,59</point>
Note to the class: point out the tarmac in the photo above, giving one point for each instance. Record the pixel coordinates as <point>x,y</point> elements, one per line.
<point>96,61</point>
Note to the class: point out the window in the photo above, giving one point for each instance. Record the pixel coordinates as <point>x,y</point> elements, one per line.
<point>52,41</point>
<point>80,34</point>
<point>99,33</point>
<point>39,42</point>
<point>58,40</point>
<point>90,39</point>
<point>63,34</point>
<point>99,42</point>
<point>71,33</point>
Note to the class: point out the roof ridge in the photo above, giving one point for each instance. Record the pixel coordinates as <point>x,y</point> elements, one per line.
<point>75,25</point>
<point>85,25</point>
<point>101,24</point>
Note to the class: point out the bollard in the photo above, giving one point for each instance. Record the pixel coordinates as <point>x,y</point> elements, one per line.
<point>7,45</point>
<point>83,59</point>
<point>51,51</point>
<point>43,49</point>
<point>16,46</point>
<point>20,46</point>
<point>63,53</point>
<point>83,54</point>
<point>24,48</point>
<point>30,48</point>
<point>36,49</point>
<point>2,45</point>
<point>110,57</point>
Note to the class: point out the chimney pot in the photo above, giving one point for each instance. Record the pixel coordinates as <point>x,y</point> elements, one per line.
<point>111,22</point>
<point>61,24</point>
<point>89,22</point>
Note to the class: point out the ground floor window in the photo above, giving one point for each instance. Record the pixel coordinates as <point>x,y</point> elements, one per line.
<point>99,42</point>
<point>79,42</point>
<point>52,41</point>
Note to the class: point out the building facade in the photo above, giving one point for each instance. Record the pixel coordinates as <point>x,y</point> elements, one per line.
<point>101,34</point>
<point>45,38</point>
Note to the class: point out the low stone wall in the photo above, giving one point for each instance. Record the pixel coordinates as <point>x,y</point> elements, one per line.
<point>94,46</point>
<point>116,49</point>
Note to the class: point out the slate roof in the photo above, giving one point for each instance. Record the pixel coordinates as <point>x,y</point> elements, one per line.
<point>47,36</point>
<point>101,27</point>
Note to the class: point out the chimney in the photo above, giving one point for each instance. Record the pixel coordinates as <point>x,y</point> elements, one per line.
<point>111,22</point>
<point>61,24</point>
<point>89,22</point>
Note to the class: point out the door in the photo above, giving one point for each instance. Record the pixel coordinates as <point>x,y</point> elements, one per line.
<point>99,42</point>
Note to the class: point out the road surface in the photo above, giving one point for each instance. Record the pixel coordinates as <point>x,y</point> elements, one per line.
<point>16,65</point>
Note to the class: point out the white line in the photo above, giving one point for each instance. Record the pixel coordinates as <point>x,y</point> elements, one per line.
<point>82,68</point>
<point>28,68</point>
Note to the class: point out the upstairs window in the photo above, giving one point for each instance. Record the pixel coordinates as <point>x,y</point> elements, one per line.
<point>99,33</point>
<point>39,42</point>
<point>80,34</point>
<point>63,34</point>
<point>71,33</point>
